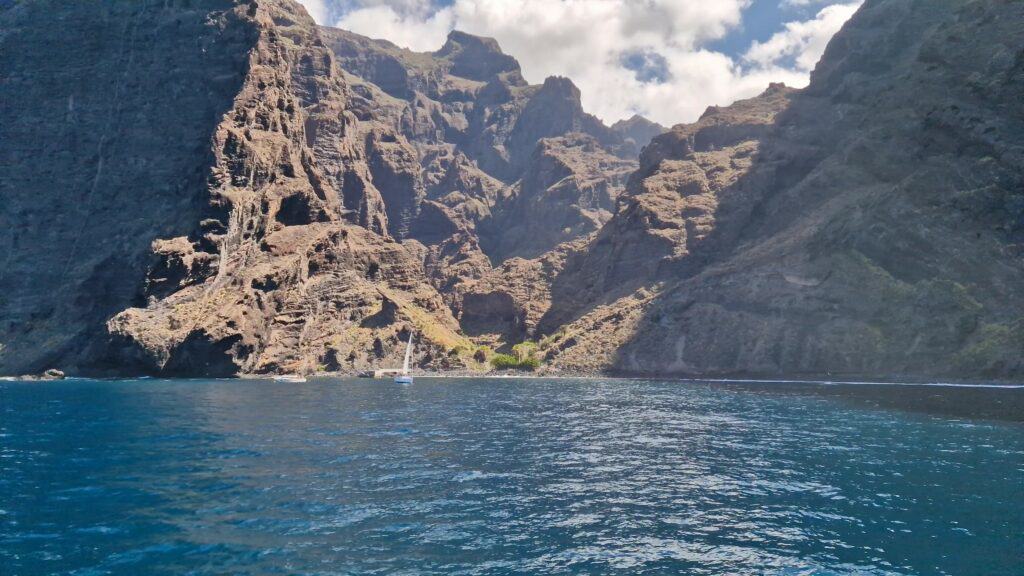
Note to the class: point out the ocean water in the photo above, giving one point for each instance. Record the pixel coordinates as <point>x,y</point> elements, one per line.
<point>508,476</point>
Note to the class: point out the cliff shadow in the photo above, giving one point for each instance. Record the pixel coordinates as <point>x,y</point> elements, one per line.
<point>99,169</point>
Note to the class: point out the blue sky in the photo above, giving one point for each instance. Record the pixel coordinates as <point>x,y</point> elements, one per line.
<point>665,59</point>
<point>761,20</point>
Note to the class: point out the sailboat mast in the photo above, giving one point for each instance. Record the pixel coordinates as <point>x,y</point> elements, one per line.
<point>408,354</point>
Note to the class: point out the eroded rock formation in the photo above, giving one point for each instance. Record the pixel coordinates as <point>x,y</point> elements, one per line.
<point>277,253</point>
<point>511,170</point>
<point>239,190</point>
<point>221,186</point>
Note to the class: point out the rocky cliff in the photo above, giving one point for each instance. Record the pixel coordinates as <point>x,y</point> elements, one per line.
<point>105,124</point>
<point>510,169</point>
<point>868,225</point>
<point>216,202</point>
<point>221,186</point>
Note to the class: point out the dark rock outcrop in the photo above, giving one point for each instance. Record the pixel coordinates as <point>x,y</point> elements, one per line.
<point>105,128</point>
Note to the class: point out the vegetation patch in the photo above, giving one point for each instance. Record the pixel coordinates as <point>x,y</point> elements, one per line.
<point>992,348</point>
<point>510,362</point>
<point>525,357</point>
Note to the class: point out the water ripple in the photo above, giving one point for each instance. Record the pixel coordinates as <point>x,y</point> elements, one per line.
<point>509,477</point>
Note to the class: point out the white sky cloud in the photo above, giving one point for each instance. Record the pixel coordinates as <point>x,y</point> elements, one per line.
<point>801,43</point>
<point>588,40</point>
<point>420,32</point>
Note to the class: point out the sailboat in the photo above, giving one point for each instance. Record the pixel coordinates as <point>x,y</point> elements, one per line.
<point>404,377</point>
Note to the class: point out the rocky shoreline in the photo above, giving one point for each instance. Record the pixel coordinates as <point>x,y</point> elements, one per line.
<point>48,376</point>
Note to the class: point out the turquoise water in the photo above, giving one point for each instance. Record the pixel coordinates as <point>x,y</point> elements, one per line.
<point>509,477</point>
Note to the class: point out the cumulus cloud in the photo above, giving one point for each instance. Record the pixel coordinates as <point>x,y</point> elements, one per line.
<point>800,44</point>
<point>410,29</point>
<point>626,56</point>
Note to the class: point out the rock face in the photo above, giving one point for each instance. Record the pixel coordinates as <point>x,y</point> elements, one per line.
<point>868,225</point>
<point>221,186</point>
<point>670,209</point>
<point>638,131</point>
<point>510,169</point>
<point>308,277</point>
<point>234,189</point>
<point>252,226</point>
<point>569,190</point>
<point>104,138</point>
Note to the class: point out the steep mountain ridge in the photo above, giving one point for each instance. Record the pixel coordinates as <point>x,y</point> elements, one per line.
<point>471,97</point>
<point>292,183</point>
<point>274,196</point>
<point>510,169</point>
<point>877,231</point>
<point>83,86</point>
<point>286,262</point>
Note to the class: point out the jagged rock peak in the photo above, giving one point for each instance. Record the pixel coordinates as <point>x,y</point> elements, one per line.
<point>638,129</point>
<point>635,120</point>
<point>285,13</point>
<point>560,86</point>
<point>476,57</point>
<point>459,41</point>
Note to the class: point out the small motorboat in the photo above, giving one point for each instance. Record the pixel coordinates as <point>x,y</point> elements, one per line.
<point>290,378</point>
<point>404,378</point>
